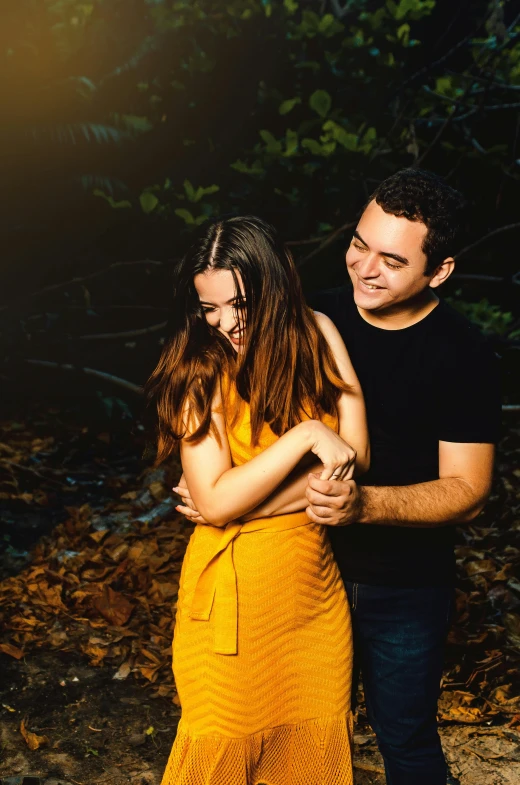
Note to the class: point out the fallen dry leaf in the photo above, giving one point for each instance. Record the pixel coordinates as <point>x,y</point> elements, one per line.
<point>456,706</point>
<point>32,740</point>
<point>123,671</point>
<point>113,606</point>
<point>13,651</point>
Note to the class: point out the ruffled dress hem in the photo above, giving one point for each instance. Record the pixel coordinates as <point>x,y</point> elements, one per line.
<point>312,752</point>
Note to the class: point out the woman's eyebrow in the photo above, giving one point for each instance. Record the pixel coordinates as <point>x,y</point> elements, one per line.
<point>229,302</point>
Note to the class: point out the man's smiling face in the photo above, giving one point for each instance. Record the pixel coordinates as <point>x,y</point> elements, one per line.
<point>386,262</point>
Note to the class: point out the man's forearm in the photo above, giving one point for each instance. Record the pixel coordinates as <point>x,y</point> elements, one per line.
<point>425,505</point>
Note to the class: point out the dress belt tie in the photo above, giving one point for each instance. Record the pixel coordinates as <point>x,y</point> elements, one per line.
<point>216,589</point>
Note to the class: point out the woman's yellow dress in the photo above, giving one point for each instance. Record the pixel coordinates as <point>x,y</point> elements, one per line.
<point>262,652</point>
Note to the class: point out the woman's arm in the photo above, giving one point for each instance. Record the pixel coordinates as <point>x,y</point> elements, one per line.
<point>290,494</point>
<point>222,493</point>
<point>351,405</point>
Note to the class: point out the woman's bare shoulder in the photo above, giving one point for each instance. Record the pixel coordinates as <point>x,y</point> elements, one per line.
<point>328,328</point>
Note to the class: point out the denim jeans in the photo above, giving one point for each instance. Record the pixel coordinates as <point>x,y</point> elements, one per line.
<point>399,637</point>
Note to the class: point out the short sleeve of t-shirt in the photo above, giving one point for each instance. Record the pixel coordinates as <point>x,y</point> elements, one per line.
<point>469,393</point>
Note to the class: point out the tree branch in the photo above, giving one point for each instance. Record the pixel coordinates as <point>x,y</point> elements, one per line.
<point>486,237</point>
<point>63,284</point>
<point>428,68</point>
<point>128,334</point>
<point>108,377</point>
<point>114,307</point>
<point>485,80</point>
<point>477,277</point>
<point>496,107</point>
<point>326,242</point>
<point>453,101</point>
<point>309,241</point>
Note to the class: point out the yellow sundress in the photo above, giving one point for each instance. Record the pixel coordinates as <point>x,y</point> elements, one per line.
<point>262,652</point>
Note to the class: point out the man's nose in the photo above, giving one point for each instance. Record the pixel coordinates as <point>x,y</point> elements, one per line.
<point>228,319</point>
<point>368,266</point>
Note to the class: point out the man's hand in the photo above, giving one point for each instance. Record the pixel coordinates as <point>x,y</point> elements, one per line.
<point>333,502</point>
<point>187,508</point>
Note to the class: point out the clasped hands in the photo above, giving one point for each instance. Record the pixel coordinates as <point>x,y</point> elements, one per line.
<point>331,502</point>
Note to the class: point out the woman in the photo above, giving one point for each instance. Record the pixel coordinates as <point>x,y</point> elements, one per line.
<point>249,385</point>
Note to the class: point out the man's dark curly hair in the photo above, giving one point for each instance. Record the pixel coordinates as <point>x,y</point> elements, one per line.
<point>424,196</point>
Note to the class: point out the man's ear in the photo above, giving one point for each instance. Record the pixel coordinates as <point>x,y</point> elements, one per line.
<point>443,272</point>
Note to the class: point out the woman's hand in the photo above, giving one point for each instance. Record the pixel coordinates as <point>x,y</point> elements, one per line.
<point>338,457</point>
<point>187,508</point>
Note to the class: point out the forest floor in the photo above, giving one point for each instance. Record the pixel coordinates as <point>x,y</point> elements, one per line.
<point>90,555</point>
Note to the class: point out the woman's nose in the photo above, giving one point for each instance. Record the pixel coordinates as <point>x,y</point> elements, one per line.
<point>228,319</point>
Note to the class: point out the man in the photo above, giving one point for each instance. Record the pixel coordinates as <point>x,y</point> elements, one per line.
<point>433,409</point>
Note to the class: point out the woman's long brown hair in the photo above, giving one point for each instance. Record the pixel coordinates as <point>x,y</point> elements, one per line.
<point>286,371</point>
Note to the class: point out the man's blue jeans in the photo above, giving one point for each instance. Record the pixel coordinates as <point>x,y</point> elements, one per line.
<point>399,638</point>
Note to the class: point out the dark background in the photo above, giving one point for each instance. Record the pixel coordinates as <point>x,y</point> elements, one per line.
<point>126,123</point>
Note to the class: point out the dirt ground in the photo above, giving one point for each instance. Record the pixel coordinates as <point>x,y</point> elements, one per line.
<point>105,731</point>
<point>91,549</point>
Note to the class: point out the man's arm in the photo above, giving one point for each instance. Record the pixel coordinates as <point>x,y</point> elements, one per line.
<point>465,473</point>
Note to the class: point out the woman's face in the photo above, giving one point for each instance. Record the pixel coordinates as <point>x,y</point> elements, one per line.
<point>222,307</point>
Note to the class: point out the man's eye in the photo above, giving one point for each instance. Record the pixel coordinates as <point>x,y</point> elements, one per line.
<point>393,266</point>
<point>359,247</point>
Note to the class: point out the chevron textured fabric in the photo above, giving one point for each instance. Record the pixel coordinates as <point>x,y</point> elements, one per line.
<point>262,653</point>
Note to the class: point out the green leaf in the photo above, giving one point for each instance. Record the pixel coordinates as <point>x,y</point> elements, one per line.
<point>366,144</point>
<point>110,200</point>
<point>335,131</point>
<point>330,26</point>
<point>288,105</point>
<point>148,202</point>
<point>312,146</point>
<point>186,216</point>
<point>291,6</point>
<point>272,145</point>
<point>201,192</point>
<point>196,195</point>
<point>443,85</point>
<point>321,102</point>
<point>256,167</point>
<point>190,190</point>
<point>315,148</point>
<point>291,143</point>
<point>403,34</point>
<point>135,123</point>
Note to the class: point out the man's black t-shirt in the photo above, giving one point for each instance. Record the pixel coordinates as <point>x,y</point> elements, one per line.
<point>434,381</point>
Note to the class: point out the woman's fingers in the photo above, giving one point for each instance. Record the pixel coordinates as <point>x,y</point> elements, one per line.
<point>184,493</point>
<point>192,515</point>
